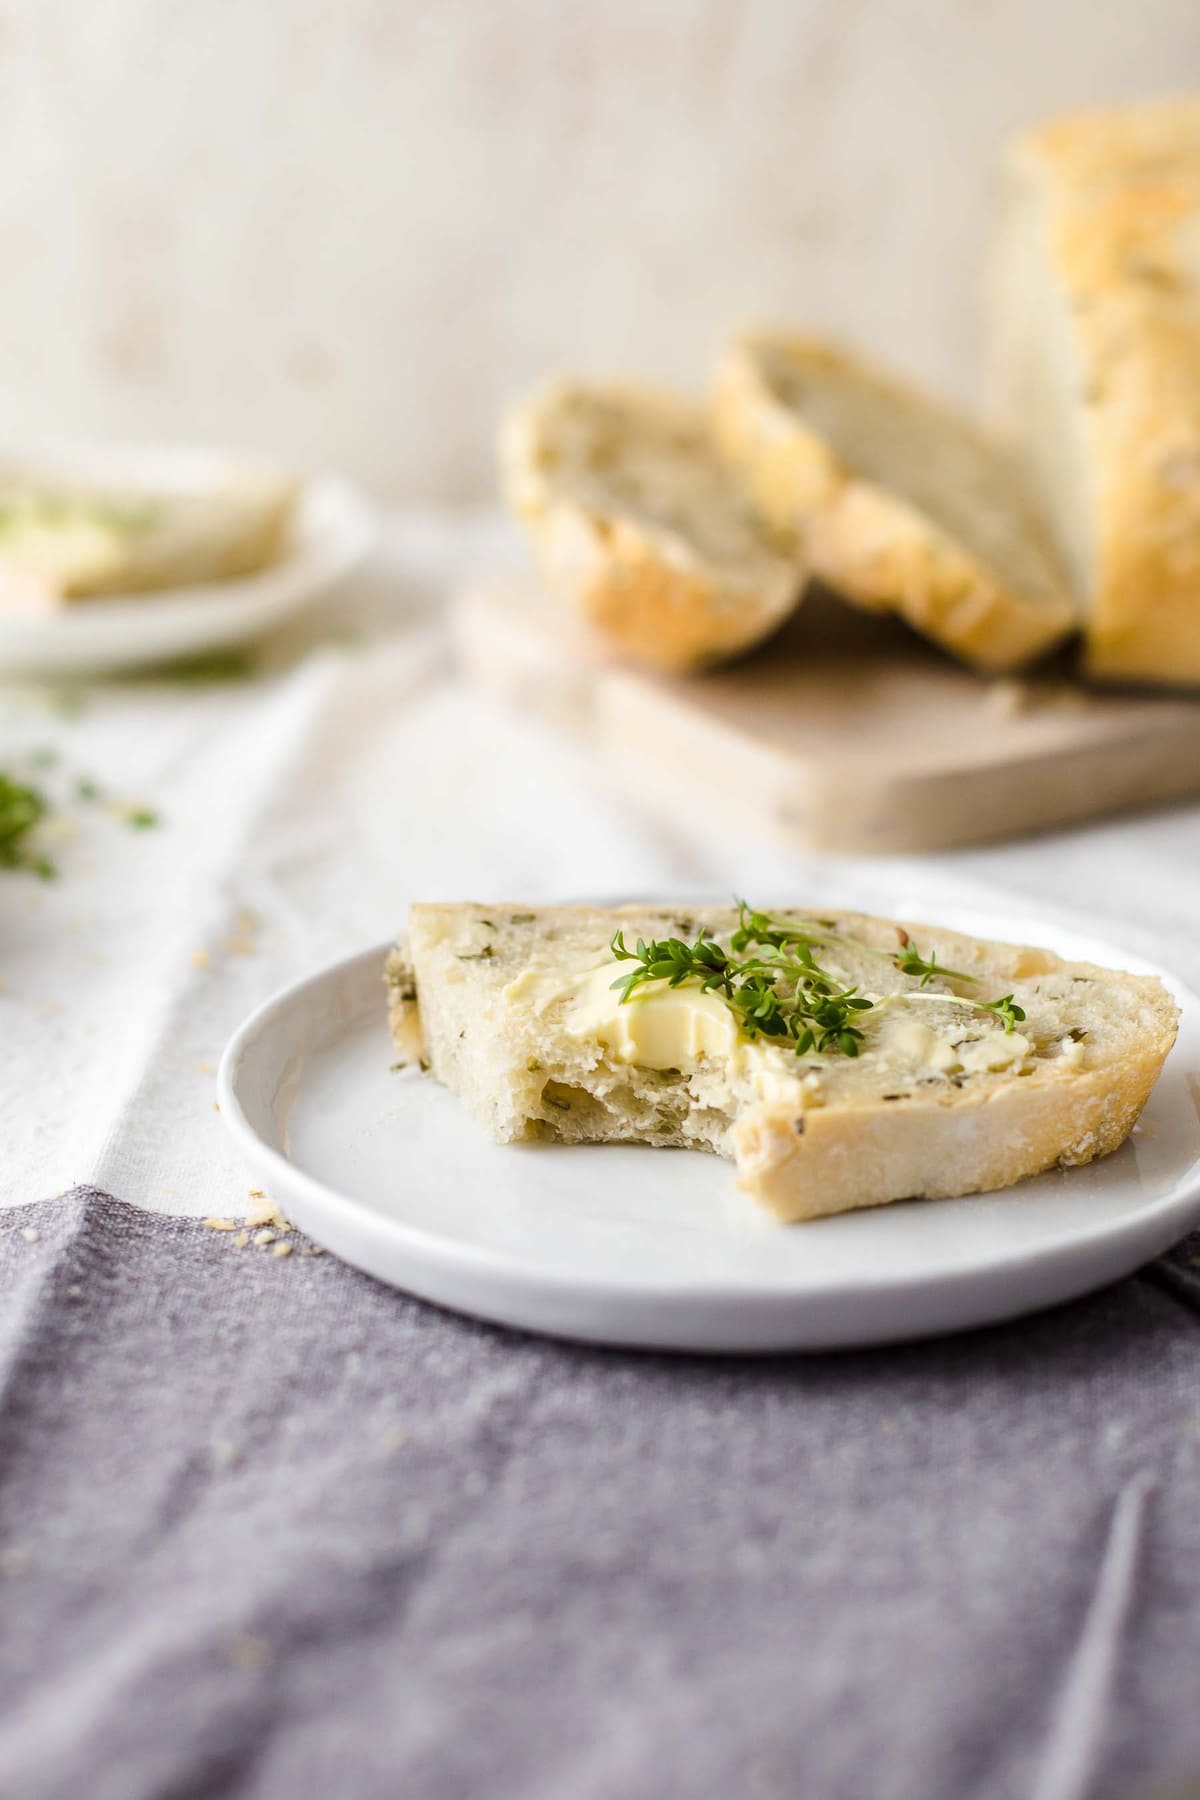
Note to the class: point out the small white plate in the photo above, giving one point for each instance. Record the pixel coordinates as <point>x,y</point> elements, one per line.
<point>330,535</point>
<point>624,1245</point>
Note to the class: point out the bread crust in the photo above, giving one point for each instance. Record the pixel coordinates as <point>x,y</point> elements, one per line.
<point>969,1144</point>
<point>643,589</point>
<point>869,544</point>
<point>1122,195</point>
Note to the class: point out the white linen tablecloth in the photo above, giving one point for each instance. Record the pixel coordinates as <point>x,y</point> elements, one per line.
<point>300,812</point>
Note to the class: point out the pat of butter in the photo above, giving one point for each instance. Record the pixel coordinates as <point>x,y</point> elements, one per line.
<point>998,1050</point>
<point>658,1027</point>
<point>911,1043</point>
<point>74,549</point>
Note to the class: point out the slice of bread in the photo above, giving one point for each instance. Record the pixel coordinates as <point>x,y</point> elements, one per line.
<point>515,1011</point>
<point>639,529</point>
<point>66,538</point>
<point>901,506</point>
<point>1096,369</point>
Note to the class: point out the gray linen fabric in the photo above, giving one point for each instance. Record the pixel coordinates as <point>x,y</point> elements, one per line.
<point>268,1528</point>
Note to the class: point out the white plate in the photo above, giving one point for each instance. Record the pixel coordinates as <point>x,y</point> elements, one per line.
<point>624,1245</point>
<point>330,535</point>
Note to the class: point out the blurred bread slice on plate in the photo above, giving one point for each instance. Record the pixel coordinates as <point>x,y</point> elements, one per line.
<point>67,536</point>
<point>1096,369</point>
<point>899,504</point>
<point>639,528</point>
<point>115,559</point>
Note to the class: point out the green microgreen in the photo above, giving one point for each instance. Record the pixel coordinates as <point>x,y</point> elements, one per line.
<point>1006,1010</point>
<point>772,980</point>
<point>22,808</point>
<point>778,992</point>
<point>910,962</point>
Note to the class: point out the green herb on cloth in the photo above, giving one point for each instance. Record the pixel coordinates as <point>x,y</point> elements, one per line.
<point>22,808</point>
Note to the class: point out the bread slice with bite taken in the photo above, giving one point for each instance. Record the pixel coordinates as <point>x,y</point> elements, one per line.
<point>639,529</point>
<point>936,1064</point>
<point>901,505</point>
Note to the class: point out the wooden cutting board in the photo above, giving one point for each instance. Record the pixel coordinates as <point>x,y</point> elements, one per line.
<point>845,733</point>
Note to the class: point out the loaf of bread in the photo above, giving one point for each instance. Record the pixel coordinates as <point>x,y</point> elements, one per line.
<point>65,539</point>
<point>901,505</point>
<point>1096,369</point>
<point>903,1060</point>
<point>639,529</point>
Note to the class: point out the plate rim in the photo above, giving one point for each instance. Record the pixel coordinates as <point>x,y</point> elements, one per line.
<point>1180,1202</point>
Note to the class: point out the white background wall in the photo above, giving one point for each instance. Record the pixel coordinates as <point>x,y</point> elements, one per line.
<point>349,229</point>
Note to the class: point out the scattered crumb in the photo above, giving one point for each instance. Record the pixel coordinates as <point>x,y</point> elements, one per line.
<point>206,1068</point>
<point>30,1233</point>
<point>282,1248</point>
<point>268,1213</point>
<point>74,1292</point>
<point>216,1106</point>
<point>256,1193</point>
<point>242,939</point>
<point>1009,699</point>
<point>224,1454</point>
<point>264,1237</point>
<point>395,1440</point>
<point>312,1250</point>
<point>199,958</point>
<point>220,1224</point>
<point>1066,698</point>
<point>1014,699</point>
<point>249,1654</point>
<point>241,1240</point>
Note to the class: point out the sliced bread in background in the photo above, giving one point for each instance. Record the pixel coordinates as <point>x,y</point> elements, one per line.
<point>637,525</point>
<point>1096,369</point>
<point>900,505</point>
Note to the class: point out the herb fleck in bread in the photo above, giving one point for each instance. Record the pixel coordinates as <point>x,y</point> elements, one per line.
<point>902,506</point>
<point>977,1063</point>
<point>1096,369</point>
<point>636,524</point>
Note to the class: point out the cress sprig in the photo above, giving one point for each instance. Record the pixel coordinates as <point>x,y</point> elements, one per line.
<point>782,994</point>
<point>1006,1010</point>
<point>771,980</point>
<point>909,961</point>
